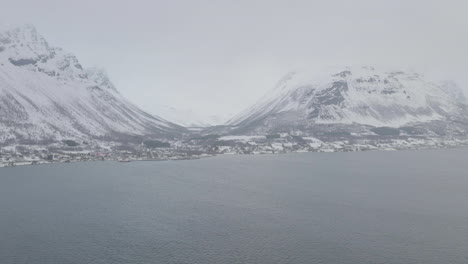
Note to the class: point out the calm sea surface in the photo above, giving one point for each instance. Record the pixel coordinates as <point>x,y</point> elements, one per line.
<point>369,207</point>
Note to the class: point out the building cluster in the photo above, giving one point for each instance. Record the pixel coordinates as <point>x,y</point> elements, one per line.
<point>213,145</point>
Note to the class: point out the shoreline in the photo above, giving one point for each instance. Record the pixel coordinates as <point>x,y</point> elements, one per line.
<point>44,162</point>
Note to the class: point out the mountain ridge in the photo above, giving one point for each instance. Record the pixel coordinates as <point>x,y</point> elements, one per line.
<point>50,103</point>
<point>47,95</point>
<point>363,96</point>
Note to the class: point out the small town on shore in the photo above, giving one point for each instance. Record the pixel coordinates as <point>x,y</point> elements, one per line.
<point>68,151</point>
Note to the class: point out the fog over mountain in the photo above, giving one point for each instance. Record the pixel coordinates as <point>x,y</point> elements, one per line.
<point>46,96</point>
<point>350,99</point>
<point>50,104</point>
<point>233,131</point>
<point>223,55</point>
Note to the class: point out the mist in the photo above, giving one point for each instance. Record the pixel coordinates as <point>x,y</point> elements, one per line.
<point>219,57</point>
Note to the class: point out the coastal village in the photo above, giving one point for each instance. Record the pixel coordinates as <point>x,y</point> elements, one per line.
<point>205,146</point>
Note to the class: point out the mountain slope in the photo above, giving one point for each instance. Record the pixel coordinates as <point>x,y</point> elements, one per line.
<point>46,95</point>
<point>354,98</point>
<point>189,118</point>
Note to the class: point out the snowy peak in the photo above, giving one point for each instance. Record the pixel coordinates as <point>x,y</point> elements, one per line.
<point>46,95</point>
<point>189,118</point>
<point>24,47</point>
<point>362,95</point>
<point>100,77</point>
<point>24,41</point>
<point>453,91</point>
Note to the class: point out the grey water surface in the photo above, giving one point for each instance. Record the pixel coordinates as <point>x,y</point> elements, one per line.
<point>368,207</point>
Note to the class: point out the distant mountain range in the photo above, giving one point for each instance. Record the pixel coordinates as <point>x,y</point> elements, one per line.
<point>189,118</point>
<point>47,96</point>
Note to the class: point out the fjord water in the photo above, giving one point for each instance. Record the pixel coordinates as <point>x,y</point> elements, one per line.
<point>368,207</point>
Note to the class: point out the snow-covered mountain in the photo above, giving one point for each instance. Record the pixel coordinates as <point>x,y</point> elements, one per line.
<point>307,102</point>
<point>46,95</point>
<point>189,118</point>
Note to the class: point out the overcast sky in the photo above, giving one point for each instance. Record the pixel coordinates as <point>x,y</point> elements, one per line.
<point>220,56</point>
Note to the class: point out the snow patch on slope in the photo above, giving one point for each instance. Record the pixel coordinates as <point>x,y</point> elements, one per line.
<point>46,94</point>
<point>361,95</point>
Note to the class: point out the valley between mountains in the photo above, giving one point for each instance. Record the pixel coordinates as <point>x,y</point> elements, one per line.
<point>52,108</point>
